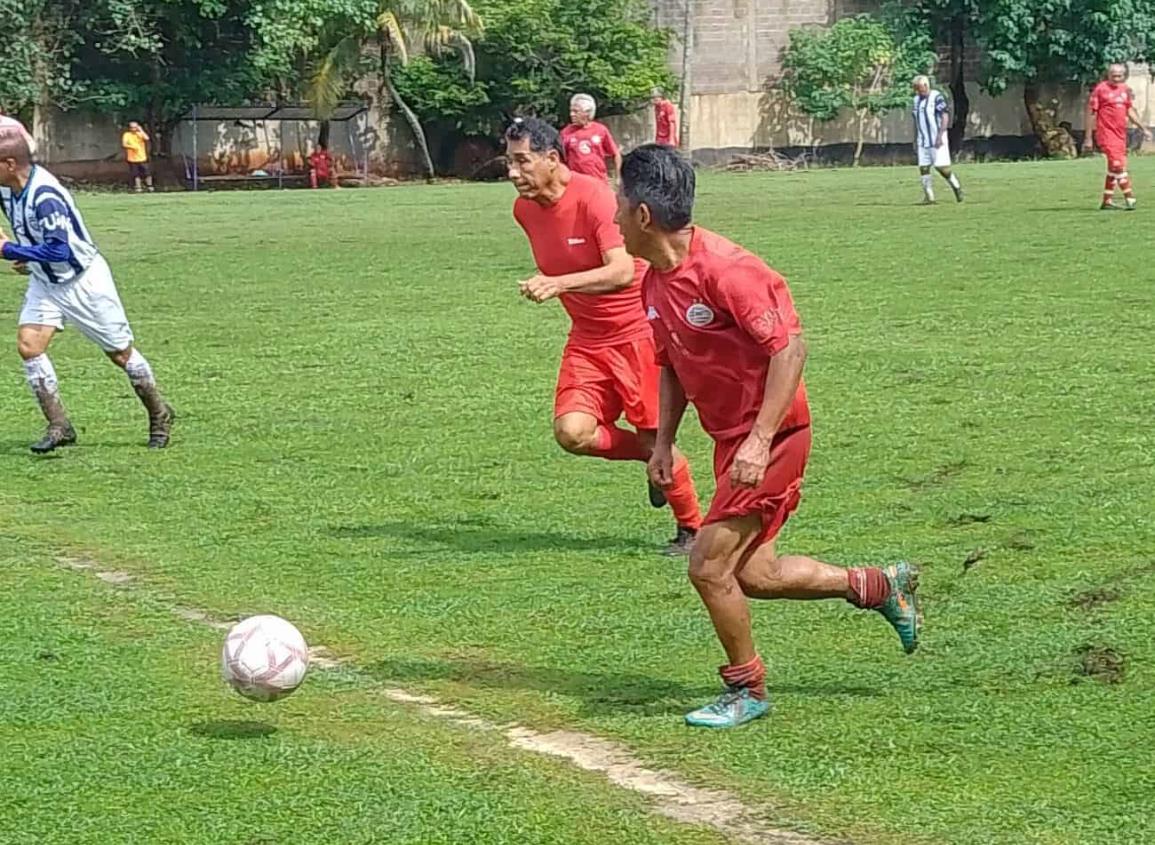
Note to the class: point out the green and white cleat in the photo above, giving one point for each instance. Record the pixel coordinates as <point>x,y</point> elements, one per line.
<point>901,608</point>
<point>736,706</point>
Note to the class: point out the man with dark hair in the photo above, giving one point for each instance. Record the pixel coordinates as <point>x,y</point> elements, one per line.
<point>730,341</point>
<point>608,367</point>
<point>69,282</point>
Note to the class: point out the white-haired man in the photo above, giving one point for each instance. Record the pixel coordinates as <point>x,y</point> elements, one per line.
<point>931,122</point>
<point>588,143</point>
<point>1109,111</point>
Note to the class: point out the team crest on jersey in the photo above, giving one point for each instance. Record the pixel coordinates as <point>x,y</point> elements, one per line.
<point>596,139</point>
<point>699,315</point>
<point>584,148</point>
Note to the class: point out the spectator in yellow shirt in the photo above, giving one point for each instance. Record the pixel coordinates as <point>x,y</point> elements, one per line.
<point>135,143</point>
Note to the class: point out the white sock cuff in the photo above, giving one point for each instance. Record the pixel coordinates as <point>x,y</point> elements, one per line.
<point>39,370</point>
<point>138,369</point>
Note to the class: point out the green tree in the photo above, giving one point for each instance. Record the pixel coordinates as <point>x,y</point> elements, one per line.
<point>1038,41</point>
<point>857,64</point>
<point>536,54</point>
<point>383,38</point>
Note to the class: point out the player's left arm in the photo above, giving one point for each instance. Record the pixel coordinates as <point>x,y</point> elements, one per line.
<point>760,304</point>
<point>672,404</point>
<point>616,273</point>
<point>943,120</point>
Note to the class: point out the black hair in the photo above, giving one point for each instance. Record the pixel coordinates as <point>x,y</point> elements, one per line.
<point>663,179</point>
<point>542,137</point>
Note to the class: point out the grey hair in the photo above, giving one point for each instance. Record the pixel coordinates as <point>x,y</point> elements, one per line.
<point>586,103</point>
<point>920,79</point>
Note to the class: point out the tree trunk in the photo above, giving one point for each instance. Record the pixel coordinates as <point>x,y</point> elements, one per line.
<point>684,99</point>
<point>410,116</point>
<point>1055,140</point>
<point>863,114</point>
<point>958,88</point>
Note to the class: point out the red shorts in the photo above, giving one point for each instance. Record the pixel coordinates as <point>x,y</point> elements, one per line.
<point>1116,153</point>
<point>609,380</point>
<point>780,491</point>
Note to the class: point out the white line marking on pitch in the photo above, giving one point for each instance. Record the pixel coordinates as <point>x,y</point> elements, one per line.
<point>670,797</point>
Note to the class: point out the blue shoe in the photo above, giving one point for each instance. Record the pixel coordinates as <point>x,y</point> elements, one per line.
<point>901,607</point>
<point>736,706</point>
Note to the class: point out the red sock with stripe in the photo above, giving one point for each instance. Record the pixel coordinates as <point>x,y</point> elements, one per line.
<point>868,587</point>
<point>751,676</point>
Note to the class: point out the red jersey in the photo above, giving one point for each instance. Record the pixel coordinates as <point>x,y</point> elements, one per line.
<point>587,148</point>
<point>717,319</point>
<point>571,236</point>
<point>1110,103</point>
<point>321,161</point>
<point>664,119</point>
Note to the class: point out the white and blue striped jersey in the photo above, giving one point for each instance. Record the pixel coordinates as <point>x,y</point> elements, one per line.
<point>48,232</point>
<point>928,112</point>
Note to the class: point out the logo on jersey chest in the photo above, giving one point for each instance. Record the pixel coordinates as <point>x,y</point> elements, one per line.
<point>699,315</point>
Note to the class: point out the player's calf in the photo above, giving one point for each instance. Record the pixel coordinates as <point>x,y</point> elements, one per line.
<point>140,376</point>
<point>41,377</point>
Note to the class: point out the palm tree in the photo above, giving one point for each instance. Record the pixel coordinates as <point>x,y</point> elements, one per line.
<point>442,25</point>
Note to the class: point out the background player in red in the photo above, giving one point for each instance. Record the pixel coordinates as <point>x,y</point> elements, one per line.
<point>1109,110</point>
<point>586,143</point>
<point>665,120</point>
<point>730,341</point>
<point>321,167</point>
<point>608,367</point>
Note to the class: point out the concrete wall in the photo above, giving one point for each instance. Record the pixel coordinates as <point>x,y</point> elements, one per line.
<point>86,146</point>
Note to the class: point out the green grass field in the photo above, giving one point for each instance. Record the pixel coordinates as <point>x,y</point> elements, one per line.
<point>364,447</point>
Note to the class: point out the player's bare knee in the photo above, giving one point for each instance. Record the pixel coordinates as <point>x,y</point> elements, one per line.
<point>30,345</point>
<point>120,356</point>
<point>574,438</point>
<point>709,573</point>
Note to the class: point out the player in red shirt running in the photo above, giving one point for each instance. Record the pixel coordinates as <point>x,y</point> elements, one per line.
<point>665,120</point>
<point>608,367</point>
<point>1109,109</point>
<point>586,143</point>
<point>730,341</point>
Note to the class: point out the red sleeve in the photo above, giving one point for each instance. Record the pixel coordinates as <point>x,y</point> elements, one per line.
<point>601,208</point>
<point>661,357</point>
<point>759,302</point>
<point>608,142</point>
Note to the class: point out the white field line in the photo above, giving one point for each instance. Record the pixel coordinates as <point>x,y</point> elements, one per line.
<point>668,795</point>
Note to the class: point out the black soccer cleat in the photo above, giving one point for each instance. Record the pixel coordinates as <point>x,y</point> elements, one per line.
<point>682,544</point>
<point>657,495</point>
<point>160,428</point>
<point>54,437</point>
<point>959,194</point>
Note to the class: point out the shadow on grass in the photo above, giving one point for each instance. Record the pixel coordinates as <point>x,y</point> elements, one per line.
<point>232,729</point>
<point>602,693</point>
<point>475,538</point>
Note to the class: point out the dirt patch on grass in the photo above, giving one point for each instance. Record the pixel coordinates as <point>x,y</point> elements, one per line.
<point>1100,663</point>
<point>1089,600</point>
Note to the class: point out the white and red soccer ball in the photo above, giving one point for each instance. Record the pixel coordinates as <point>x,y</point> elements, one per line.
<point>264,658</point>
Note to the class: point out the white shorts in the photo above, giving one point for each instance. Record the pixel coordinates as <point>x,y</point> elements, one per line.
<point>90,303</point>
<point>934,156</point>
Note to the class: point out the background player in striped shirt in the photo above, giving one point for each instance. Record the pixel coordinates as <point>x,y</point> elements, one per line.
<point>1109,110</point>
<point>69,282</point>
<point>931,122</point>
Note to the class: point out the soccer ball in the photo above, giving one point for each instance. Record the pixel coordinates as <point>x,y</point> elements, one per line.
<point>264,658</point>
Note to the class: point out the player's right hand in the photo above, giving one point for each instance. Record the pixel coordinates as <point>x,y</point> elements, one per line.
<point>661,467</point>
<point>21,267</point>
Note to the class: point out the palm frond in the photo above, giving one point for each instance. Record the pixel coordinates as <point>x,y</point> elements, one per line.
<point>331,79</point>
<point>389,24</point>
